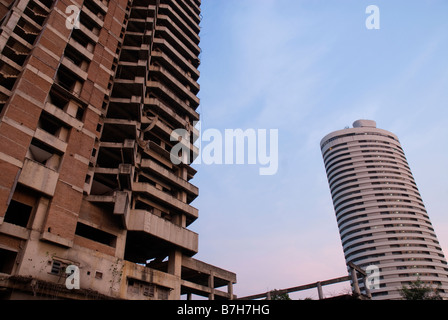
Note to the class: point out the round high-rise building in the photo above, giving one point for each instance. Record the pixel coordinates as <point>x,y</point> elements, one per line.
<point>380,214</point>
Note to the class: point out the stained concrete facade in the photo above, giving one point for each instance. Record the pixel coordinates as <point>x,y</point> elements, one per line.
<point>381,216</point>
<point>86,179</point>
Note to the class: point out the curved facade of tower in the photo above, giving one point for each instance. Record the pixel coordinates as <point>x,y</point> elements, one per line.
<point>380,214</point>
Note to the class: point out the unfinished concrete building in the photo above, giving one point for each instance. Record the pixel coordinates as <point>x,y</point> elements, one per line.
<point>90,92</point>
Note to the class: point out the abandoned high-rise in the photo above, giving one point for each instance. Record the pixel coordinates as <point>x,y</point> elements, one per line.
<point>90,92</point>
<point>380,214</point>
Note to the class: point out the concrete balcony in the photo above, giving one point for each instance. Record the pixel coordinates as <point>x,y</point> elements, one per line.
<point>167,112</point>
<point>81,49</point>
<point>165,198</point>
<point>164,173</point>
<point>144,221</point>
<point>141,11</point>
<point>135,53</point>
<point>175,84</point>
<point>63,116</point>
<point>165,131</point>
<point>168,132</point>
<point>92,36</point>
<point>165,33</point>
<point>180,33</point>
<point>125,108</point>
<point>50,139</point>
<point>120,200</point>
<point>186,17</point>
<point>98,19</point>
<point>168,95</point>
<point>191,10</point>
<point>127,88</point>
<point>182,76</point>
<point>164,46</point>
<point>38,177</point>
<point>80,73</point>
<point>195,6</point>
<point>193,34</point>
<point>135,24</point>
<point>118,130</point>
<point>117,153</point>
<point>101,4</point>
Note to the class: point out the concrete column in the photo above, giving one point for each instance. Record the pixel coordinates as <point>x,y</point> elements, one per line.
<point>175,268</point>
<point>319,291</point>
<point>366,287</point>
<point>121,244</point>
<point>211,285</point>
<point>230,289</point>
<point>41,214</point>
<point>175,263</point>
<point>355,282</point>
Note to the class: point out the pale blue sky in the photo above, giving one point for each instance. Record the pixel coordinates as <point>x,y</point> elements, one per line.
<point>308,68</point>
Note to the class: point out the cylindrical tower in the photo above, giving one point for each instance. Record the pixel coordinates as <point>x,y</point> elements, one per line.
<point>380,214</point>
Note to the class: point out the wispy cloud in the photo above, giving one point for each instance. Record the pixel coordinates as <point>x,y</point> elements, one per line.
<point>309,69</point>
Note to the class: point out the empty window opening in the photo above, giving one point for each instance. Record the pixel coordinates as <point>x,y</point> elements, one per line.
<point>3,100</point>
<point>70,106</point>
<point>140,205</point>
<point>76,58</point>
<point>26,31</point>
<point>84,41</point>
<point>68,80</point>
<point>36,13</point>
<point>101,185</point>
<point>95,9</point>
<point>7,260</point>
<point>18,213</point>
<point>16,51</point>
<point>8,75</point>
<point>95,234</point>
<point>52,125</point>
<point>89,23</point>
<point>57,100</point>
<point>47,3</point>
<point>44,154</point>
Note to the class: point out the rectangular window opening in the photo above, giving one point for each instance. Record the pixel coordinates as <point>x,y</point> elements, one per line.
<point>7,260</point>
<point>18,213</point>
<point>95,234</point>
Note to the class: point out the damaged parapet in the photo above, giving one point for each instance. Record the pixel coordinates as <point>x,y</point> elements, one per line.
<point>86,179</point>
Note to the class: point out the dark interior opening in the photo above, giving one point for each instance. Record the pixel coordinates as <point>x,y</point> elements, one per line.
<point>18,214</point>
<point>96,235</point>
<point>7,260</point>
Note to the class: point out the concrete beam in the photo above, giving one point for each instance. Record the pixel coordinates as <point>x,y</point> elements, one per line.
<point>165,198</point>
<point>144,221</point>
